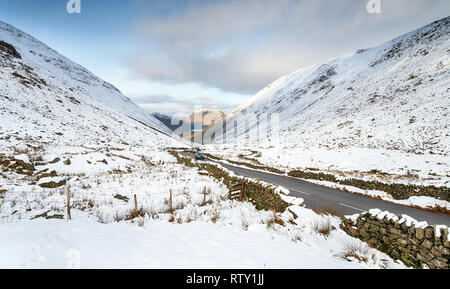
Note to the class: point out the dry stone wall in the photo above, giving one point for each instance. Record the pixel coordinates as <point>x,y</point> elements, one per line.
<point>415,243</point>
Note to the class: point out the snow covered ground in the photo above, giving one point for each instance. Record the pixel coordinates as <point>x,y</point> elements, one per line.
<point>200,244</point>
<point>104,233</point>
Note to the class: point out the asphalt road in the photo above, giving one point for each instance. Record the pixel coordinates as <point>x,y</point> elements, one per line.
<point>342,202</point>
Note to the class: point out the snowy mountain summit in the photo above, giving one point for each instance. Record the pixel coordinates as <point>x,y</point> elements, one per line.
<point>394,96</point>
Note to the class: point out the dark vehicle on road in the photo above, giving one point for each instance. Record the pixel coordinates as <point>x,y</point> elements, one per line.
<point>199,156</point>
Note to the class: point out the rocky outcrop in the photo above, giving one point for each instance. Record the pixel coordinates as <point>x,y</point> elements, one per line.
<point>9,50</point>
<point>51,183</point>
<point>415,243</point>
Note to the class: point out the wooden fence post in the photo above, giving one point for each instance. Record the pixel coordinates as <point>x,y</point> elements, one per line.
<point>135,206</point>
<point>241,192</point>
<point>170,200</point>
<point>204,195</point>
<point>68,204</point>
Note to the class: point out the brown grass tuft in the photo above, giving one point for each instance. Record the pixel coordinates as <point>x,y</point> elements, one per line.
<point>355,251</point>
<point>323,227</point>
<point>275,220</point>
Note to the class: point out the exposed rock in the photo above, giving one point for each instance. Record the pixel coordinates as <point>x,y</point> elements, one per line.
<point>420,234</point>
<point>395,231</point>
<point>25,165</point>
<point>373,228</point>
<point>52,184</point>
<point>46,216</point>
<point>46,175</point>
<point>54,161</point>
<point>402,242</point>
<point>373,242</point>
<point>427,244</point>
<point>9,50</point>
<point>438,263</point>
<point>429,232</point>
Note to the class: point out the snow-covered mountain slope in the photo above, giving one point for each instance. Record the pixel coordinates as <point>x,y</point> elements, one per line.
<point>395,96</point>
<point>59,122</point>
<point>379,109</point>
<point>45,96</point>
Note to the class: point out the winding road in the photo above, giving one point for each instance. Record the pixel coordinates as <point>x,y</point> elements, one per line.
<point>344,203</point>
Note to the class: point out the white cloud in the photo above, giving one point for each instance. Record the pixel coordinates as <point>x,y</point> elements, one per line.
<point>241,46</point>
<point>170,105</point>
<point>152,99</point>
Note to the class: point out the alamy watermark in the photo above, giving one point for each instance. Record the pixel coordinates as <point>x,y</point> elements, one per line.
<point>201,128</point>
<point>374,6</point>
<point>73,259</point>
<point>73,6</point>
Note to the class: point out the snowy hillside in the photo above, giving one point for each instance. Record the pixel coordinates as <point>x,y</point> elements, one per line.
<point>355,111</point>
<point>61,125</point>
<point>43,89</point>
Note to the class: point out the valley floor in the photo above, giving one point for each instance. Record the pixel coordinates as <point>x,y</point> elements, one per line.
<point>106,232</point>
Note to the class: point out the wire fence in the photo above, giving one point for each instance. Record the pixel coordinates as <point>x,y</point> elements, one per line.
<point>102,207</point>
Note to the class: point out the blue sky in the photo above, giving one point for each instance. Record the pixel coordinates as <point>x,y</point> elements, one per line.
<point>171,55</point>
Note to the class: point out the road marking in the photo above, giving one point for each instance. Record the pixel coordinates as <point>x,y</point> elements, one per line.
<point>351,207</point>
<point>291,189</point>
